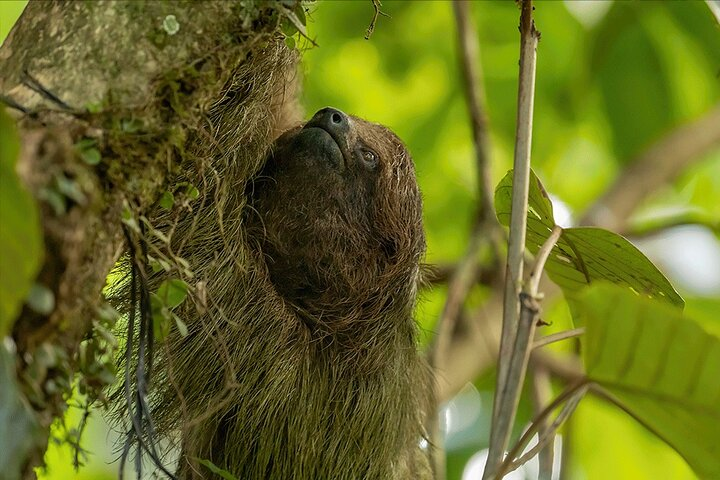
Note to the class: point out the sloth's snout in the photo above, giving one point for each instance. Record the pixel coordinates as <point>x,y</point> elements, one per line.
<point>332,120</point>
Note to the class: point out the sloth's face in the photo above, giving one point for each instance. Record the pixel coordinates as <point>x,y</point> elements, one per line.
<point>338,205</point>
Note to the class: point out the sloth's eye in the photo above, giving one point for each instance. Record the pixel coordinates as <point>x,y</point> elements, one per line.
<point>369,158</point>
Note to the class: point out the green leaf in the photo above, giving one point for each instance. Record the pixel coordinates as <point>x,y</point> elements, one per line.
<point>216,470</point>
<point>131,125</point>
<point>540,207</point>
<point>91,156</point>
<point>167,200</point>
<point>172,292</point>
<point>160,316</point>
<point>192,192</point>
<point>87,149</point>
<point>662,367</point>
<point>20,240</point>
<point>94,107</point>
<point>585,254</point>
<point>85,143</point>
<point>19,429</point>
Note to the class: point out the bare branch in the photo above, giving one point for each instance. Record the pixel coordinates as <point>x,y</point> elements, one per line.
<point>504,413</point>
<point>521,178</point>
<point>541,396</point>
<point>475,95</point>
<point>661,163</point>
<point>487,227</point>
<point>556,337</point>
<point>541,258</point>
<point>573,396</point>
<point>376,13</point>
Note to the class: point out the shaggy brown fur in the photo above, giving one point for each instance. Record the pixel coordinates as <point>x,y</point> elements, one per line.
<point>301,360</point>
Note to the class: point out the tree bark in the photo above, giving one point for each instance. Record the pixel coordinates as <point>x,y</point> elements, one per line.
<point>138,79</point>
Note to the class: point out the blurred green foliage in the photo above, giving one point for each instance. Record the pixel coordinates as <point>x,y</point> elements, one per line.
<point>608,84</point>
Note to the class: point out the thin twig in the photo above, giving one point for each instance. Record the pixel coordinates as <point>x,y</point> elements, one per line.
<point>376,12</point>
<point>541,258</point>
<point>541,396</point>
<point>516,242</point>
<point>464,276</point>
<point>572,402</point>
<point>505,411</point>
<point>556,337</point>
<point>475,96</point>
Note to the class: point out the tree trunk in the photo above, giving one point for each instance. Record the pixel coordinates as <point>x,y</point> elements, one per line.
<point>139,81</point>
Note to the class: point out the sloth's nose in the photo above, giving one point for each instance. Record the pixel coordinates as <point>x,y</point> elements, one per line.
<point>332,120</point>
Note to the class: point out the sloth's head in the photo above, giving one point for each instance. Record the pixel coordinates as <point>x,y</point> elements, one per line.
<point>338,214</point>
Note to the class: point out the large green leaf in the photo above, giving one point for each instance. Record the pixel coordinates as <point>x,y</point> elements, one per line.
<point>20,247</point>
<point>663,368</point>
<point>585,254</point>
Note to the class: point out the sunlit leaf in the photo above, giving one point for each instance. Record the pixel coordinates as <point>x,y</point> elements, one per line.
<point>20,241</point>
<point>585,254</point>
<point>539,204</point>
<point>662,367</point>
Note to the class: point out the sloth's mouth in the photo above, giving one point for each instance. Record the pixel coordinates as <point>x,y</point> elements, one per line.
<point>337,140</point>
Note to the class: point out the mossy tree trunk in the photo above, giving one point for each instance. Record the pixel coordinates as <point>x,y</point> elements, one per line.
<point>134,82</point>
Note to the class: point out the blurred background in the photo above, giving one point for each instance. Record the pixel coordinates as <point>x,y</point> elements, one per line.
<point>612,77</point>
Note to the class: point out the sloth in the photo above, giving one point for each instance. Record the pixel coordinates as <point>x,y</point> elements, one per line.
<point>305,363</point>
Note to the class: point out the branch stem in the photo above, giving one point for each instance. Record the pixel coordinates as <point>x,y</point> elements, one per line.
<point>572,397</point>
<point>475,96</point>
<point>541,396</point>
<point>556,337</point>
<point>510,344</point>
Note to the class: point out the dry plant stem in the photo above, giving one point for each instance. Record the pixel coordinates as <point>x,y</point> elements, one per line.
<point>556,337</point>
<point>576,394</point>
<point>464,276</point>
<point>505,410</point>
<point>475,95</point>
<point>662,162</point>
<point>376,12</point>
<point>541,396</point>
<point>541,258</point>
<point>521,178</point>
